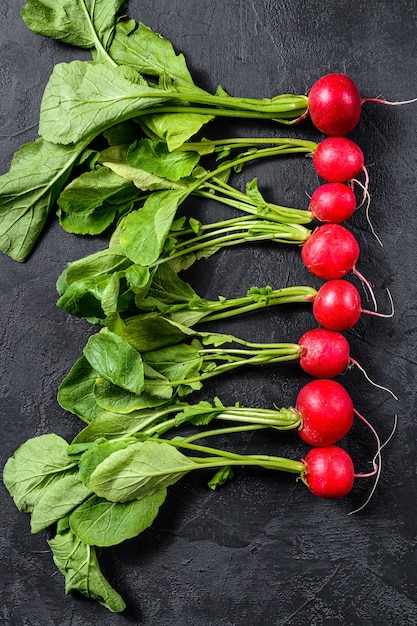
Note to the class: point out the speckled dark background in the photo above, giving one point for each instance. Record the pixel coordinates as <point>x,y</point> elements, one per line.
<point>261,550</point>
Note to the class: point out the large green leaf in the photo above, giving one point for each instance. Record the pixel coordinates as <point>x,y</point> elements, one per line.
<point>29,190</point>
<point>115,360</point>
<point>33,466</point>
<point>78,562</point>
<point>113,398</point>
<point>57,500</point>
<point>102,523</point>
<point>149,53</point>
<point>83,98</point>
<point>83,23</point>
<point>139,470</point>
<point>153,55</point>
<point>99,263</point>
<point>149,332</point>
<point>155,157</point>
<point>76,391</point>
<point>91,189</point>
<point>144,232</point>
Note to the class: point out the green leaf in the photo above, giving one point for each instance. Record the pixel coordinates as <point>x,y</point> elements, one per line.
<point>220,477</point>
<point>140,470</point>
<point>83,23</point>
<point>78,562</point>
<point>115,159</point>
<point>57,500</point>
<point>95,455</point>
<point>84,98</point>
<point>175,362</point>
<point>91,189</point>
<point>113,398</point>
<point>83,297</point>
<point>28,192</point>
<point>139,279</point>
<point>115,360</point>
<point>76,392</point>
<point>155,157</point>
<point>113,425</point>
<point>33,466</point>
<point>199,414</point>
<point>173,128</point>
<point>166,289</point>
<point>145,231</point>
<point>149,332</point>
<point>252,191</point>
<point>102,523</point>
<point>149,53</point>
<point>102,262</point>
<point>93,223</point>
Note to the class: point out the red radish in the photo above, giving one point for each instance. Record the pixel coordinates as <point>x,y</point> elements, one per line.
<point>333,203</point>
<point>331,251</point>
<point>326,411</point>
<point>329,472</point>
<point>334,104</point>
<point>324,353</point>
<point>338,159</point>
<point>337,305</point>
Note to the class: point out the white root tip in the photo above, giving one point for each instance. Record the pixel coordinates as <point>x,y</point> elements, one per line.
<point>376,461</point>
<point>368,285</point>
<point>367,199</point>
<point>385,315</point>
<point>371,381</point>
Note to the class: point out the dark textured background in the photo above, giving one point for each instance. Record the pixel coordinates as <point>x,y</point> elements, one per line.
<point>261,549</point>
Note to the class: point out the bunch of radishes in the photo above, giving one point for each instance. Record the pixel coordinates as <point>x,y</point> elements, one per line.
<point>331,251</point>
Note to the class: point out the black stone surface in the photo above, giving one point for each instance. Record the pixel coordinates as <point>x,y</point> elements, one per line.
<point>261,550</point>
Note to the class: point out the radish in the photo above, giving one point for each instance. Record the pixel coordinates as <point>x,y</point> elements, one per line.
<point>326,411</point>
<point>334,104</point>
<point>333,203</point>
<point>337,305</point>
<point>329,472</point>
<point>324,353</point>
<point>330,252</point>
<point>338,159</point>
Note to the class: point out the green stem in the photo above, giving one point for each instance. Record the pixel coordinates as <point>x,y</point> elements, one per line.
<point>288,233</point>
<point>224,431</point>
<point>280,419</point>
<point>238,142</point>
<point>222,457</point>
<point>279,108</point>
<point>241,201</point>
<point>230,308</point>
<point>264,356</point>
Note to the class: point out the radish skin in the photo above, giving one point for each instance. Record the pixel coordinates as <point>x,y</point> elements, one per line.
<point>334,104</point>
<point>330,252</point>
<point>333,203</point>
<point>329,472</point>
<point>338,159</point>
<point>324,353</point>
<point>337,305</point>
<point>326,412</point>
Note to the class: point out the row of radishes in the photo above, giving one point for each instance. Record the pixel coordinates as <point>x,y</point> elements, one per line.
<point>330,253</point>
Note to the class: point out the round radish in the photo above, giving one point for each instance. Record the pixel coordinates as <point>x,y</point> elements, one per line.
<point>326,411</point>
<point>329,472</point>
<point>331,251</point>
<point>324,353</point>
<point>338,159</point>
<point>334,104</point>
<point>333,202</point>
<point>337,305</point>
